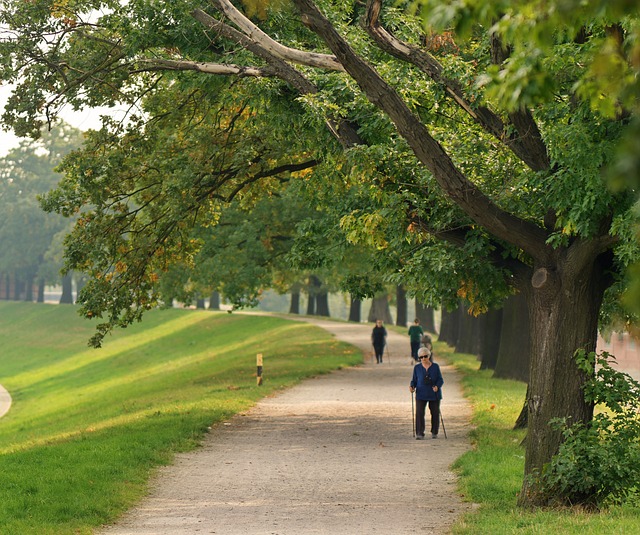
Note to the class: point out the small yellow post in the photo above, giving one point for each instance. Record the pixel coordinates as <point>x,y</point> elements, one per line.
<point>259,364</point>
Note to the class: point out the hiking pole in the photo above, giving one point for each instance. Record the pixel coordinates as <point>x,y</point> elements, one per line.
<point>388,353</point>
<point>442,422</point>
<point>413,417</point>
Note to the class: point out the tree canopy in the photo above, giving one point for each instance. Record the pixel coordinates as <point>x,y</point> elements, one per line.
<point>467,144</point>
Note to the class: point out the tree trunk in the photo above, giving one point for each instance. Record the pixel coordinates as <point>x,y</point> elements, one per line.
<point>28,289</point>
<point>523,417</point>
<point>17,286</point>
<point>449,326</point>
<point>200,303</point>
<point>311,305</point>
<point>401,306</point>
<point>426,316</point>
<point>514,356</point>
<point>41,285</point>
<point>313,287</point>
<point>564,306</point>
<point>67,290</point>
<point>468,333</point>
<point>322,304</point>
<point>354,309</point>
<point>214,301</point>
<point>380,309</point>
<point>294,307</point>
<point>490,339</point>
<point>4,286</point>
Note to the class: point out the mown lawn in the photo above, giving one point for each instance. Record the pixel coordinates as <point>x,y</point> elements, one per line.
<point>88,426</point>
<point>491,474</point>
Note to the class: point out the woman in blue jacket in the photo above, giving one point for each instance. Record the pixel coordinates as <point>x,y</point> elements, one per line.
<point>427,384</point>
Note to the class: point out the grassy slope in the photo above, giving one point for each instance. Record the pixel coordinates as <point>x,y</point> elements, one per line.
<point>87,427</point>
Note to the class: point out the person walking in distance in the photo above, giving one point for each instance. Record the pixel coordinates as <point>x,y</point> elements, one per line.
<point>415,339</point>
<point>427,383</point>
<point>379,340</point>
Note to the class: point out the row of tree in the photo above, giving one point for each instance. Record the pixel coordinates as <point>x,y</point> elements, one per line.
<point>457,150</point>
<point>245,255</point>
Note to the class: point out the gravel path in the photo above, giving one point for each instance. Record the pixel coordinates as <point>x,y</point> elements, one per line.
<point>333,455</point>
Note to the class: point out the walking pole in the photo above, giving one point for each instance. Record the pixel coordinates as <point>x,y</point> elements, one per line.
<point>388,353</point>
<point>413,417</point>
<point>442,422</point>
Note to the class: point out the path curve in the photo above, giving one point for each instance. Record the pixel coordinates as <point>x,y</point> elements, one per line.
<point>5,401</point>
<point>332,455</point>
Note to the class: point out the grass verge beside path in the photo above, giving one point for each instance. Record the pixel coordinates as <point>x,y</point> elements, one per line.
<point>88,427</point>
<point>491,473</point>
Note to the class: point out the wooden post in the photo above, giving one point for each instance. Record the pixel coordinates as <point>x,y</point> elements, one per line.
<point>259,364</point>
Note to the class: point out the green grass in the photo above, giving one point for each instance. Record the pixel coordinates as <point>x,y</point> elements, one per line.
<point>491,473</point>
<point>88,427</point>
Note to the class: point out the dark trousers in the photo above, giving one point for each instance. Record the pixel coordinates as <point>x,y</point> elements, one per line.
<point>379,350</point>
<point>434,409</point>
<point>414,350</point>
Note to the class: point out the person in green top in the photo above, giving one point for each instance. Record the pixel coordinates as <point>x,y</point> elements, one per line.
<point>415,337</point>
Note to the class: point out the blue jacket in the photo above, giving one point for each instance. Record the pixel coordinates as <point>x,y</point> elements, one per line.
<point>424,381</point>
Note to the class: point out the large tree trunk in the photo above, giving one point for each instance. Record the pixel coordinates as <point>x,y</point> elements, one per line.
<point>354,309</point>
<point>564,306</point>
<point>490,339</point>
<point>401,306</point>
<point>514,355</point>
<point>380,309</point>
<point>426,316</point>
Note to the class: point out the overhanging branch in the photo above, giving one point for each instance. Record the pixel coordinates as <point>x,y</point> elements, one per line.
<point>525,142</point>
<point>503,225</point>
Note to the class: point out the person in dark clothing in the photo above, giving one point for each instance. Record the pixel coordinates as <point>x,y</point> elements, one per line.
<point>379,340</point>
<point>415,338</point>
<point>427,383</point>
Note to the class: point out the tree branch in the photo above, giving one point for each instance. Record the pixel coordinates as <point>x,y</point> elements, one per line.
<point>207,68</point>
<point>311,59</point>
<point>521,233</point>
<point>342,130</point>
<point>526,143</point>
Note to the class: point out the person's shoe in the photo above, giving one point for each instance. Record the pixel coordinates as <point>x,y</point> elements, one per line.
<point>433,435</point>
<point>420,437</point>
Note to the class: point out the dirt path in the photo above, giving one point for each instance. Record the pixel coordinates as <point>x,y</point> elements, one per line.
<point>333,455</point>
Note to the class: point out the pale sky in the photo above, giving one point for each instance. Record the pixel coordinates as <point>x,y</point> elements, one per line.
<point>82,120</point>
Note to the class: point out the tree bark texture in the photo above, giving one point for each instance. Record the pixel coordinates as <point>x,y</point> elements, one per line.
<point>563,318</point>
